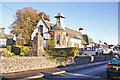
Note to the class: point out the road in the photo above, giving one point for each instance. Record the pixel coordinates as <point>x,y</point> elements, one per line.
<point>91,73</point>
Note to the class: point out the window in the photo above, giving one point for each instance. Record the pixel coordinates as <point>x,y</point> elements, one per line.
<point>51,36</point>
<point>78,45</point>
<point>57,39</point>
<point>41,31</point>
<point>67,34</point>
<point>58,20</point>
<point>63,36</point>
<point>63,40</point>
<point>74,44</point>
<point>41,28</point>
<point>58,43</point>
<point>57,36</point>
<point>68,39</point>
<point>115,61</point>
<point>68,45</point>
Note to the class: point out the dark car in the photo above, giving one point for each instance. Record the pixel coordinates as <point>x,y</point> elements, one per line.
<point>2,46</point>
<point>113,68</point>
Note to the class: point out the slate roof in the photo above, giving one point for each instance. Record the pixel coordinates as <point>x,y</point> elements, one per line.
<point>2,36</point>
<point>49,25</point>
<point>88,39</point>
<point>104,46</point>
<point>56,27</point>
<point>75,34</point>
<point>5,36</point>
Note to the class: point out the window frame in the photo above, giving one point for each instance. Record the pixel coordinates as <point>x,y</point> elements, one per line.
<point>57,39</point>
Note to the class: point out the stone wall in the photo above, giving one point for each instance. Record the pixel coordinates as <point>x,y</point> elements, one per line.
<point>16,64</point>
<point>108,57</point>
<point>99,58</point>
<point>2,49</point>
<point>82,60</point>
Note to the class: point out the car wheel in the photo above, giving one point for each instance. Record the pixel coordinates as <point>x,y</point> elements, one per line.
<point>108,75</point>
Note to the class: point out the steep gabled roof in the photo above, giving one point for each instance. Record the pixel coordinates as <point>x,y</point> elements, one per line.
<point>5,36</point>
<point>2,36</point>
<point>75,34</point>
<point>56,27</point>
<point>88,39</point>
<point>49,25</point>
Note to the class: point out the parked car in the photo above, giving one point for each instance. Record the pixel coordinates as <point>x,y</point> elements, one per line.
<point>113,68</point>
<point>2,46</point>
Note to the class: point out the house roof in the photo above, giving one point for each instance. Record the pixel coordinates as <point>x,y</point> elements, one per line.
<point>104,46</point>
<point>2,36</point>
<point>49,25</point>
<point>56,27</point>
<point>88,39</point>
<point>5,36</point>
<point>75,34</point>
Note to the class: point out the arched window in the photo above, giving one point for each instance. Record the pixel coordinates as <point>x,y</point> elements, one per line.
<point>57,39</point>
<point>41,29</point>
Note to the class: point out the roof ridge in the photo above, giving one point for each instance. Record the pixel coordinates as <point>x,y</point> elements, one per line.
<point>73,29</point>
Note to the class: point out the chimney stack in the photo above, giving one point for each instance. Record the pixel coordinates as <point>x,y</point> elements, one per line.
<point>81,30</point>
<point>3,30</point>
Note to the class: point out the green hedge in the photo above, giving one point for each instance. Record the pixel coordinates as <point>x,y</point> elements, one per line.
<point>9,48</point>
<point>63,52</point>
<point>19,50</point>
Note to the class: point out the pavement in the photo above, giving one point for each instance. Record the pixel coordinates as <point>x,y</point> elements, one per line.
<point>27,75</point>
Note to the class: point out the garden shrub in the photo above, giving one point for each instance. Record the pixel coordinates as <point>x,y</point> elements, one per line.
<point>51,44</point>
<point>20,50</point>
<point>61,59</point>
<point>7,53</point>
<point>16,50</point>
<point>9,48</point>
<point>63,52</point>
<point>55,59</point>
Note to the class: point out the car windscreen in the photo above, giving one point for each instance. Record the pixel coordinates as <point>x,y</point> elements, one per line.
<point>115,61</point>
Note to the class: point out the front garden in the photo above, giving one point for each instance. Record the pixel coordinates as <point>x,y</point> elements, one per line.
<point>16,50</point>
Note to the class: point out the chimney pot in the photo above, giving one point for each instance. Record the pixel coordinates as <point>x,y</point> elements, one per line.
<point>81,30</point>
<point>3,30</point>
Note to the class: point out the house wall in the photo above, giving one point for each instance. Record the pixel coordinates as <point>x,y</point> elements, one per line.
<point>45,43</point>
<point>46,35</point>
<point>61,33</point>
<point>90,45</point>
<point>45,30</point>
<point>89,52</point>
<point>3,42</point>
<point>10,42</point>
<point>73,41</point>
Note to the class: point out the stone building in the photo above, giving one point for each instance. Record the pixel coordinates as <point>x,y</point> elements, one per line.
<point>6,39</point>
<point>62,35</point>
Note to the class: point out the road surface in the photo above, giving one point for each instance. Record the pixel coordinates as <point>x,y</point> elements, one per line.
<point>91,73</point>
